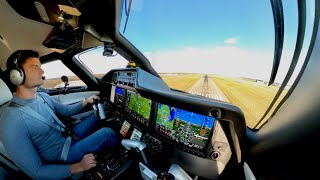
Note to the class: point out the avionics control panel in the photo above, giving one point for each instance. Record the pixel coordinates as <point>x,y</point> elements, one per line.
<point>164,124</point>
<point>127,78</point>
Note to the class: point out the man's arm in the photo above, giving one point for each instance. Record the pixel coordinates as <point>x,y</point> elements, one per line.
<point>17,142</point>
<point>70,109</point>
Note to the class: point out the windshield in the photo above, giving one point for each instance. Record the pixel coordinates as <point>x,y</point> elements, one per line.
<point>222,50</point>
<point>98,64</point>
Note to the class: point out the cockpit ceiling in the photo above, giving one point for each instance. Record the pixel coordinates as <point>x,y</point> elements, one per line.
<point>32,21</point>
<point>18,32</point>
<point>37,10</point>
<point>76,13</point>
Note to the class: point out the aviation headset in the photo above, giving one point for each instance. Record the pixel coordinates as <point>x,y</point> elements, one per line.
<point>17,76</point>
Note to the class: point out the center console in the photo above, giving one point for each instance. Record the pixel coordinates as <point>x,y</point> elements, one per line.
<point>110,165</point>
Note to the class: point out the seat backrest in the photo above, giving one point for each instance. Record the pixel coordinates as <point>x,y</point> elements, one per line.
<point>5,97</point>
<point>5,93</point>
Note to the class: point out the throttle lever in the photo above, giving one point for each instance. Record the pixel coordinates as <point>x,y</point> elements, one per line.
<point>129,144</point>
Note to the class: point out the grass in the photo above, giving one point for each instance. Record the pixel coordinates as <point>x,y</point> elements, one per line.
<point>181,82</point>
<point>252,98</point>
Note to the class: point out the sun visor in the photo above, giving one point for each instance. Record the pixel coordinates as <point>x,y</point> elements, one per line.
<point>62,36</point>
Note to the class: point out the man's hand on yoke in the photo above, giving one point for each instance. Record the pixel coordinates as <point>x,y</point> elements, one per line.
<point>90,100</point>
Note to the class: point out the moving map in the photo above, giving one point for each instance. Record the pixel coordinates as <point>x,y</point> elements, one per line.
<point>138,107</point>
<point>185,127</point>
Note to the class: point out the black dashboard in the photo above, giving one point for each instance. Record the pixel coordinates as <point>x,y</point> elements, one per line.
<point>201,135</point>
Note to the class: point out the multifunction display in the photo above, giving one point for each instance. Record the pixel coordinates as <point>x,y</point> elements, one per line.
<point>138,107</point>
<point>188,128</point>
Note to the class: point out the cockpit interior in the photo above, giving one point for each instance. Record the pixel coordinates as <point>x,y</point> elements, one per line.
<point>165,133</point>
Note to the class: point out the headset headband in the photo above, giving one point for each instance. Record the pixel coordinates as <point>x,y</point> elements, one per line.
<point>17,58</point>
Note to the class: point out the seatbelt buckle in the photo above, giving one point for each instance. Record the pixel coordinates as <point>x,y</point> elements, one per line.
<point>67,132</point>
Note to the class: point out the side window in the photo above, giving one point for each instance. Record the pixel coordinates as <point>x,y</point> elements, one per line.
<point>53,72</point>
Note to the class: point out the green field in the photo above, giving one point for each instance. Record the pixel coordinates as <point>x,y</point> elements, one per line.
<point>252,98</point>
<point>180,81</point>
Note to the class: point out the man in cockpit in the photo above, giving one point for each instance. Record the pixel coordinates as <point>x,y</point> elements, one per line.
<point>35,138</point>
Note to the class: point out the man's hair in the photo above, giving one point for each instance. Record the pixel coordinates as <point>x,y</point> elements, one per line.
<point>20,56</point>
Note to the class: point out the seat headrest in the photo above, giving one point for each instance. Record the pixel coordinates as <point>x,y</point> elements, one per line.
<point>5,93</point>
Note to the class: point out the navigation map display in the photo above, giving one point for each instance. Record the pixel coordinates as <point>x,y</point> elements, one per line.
<point>138,107</point>
<point>188,128</point>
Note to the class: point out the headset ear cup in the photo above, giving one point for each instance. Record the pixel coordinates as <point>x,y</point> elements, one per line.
<point>16,77</point>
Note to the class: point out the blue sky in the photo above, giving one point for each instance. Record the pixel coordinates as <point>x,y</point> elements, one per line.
<point>167,24</point>
<point>234,37</point>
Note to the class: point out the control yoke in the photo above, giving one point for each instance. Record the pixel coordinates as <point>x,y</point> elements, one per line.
<point>98,106</point>
<point>175,170</point>
<point>66,83</point>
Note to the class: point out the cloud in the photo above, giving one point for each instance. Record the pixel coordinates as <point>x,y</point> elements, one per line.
<point>223,60</point>
<point>230,61</point>
<point>233,40</point>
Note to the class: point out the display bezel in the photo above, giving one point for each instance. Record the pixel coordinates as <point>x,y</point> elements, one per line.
<point>135,114</point>
<point>166,135</point>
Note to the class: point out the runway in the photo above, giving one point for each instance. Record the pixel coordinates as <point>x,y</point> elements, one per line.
<point>207,88</point>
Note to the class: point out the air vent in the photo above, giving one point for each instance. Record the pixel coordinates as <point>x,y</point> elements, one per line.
<point>216,112</point>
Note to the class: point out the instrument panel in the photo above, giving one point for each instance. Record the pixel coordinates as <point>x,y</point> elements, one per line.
<point>124,77</point>
<point>167,128</point>
<point>191,134</point>
<point>183,128</point>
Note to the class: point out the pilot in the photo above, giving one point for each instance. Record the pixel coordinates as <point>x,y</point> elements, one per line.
<point>35,138</point>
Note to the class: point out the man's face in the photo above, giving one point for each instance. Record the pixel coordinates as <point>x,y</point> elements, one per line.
<point>33,73</point>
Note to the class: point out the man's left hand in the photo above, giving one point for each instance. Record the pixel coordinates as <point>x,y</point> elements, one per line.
<point>90,100</point>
